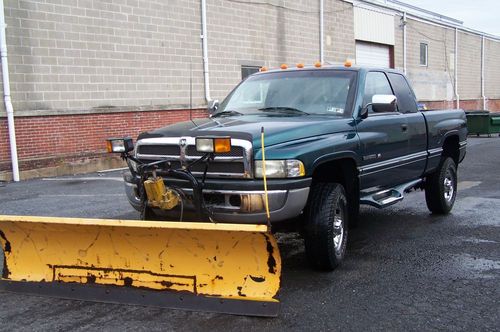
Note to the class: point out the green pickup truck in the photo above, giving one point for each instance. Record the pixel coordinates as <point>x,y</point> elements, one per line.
<point>334,138</point>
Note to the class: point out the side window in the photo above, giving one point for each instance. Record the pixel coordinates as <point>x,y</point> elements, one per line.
<point>376,84</point>
<point>406,99</point>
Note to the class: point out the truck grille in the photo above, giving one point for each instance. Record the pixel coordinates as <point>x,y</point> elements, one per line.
<point>182,150</point>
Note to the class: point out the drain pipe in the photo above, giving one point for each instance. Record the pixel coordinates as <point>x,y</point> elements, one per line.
<point>321,31</point>
<point>482,73</point>
<point>205,49</point>
<point>6,95</point>
<point>404,42</point>
<point>457,96</point>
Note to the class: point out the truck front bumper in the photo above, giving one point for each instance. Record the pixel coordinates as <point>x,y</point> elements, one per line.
<point>235,201</point>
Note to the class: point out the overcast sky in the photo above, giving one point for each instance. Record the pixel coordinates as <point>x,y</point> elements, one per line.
<point>483,15</point>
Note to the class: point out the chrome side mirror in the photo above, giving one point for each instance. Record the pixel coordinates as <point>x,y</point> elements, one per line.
<point>384,103</point>
<point>213,105</point>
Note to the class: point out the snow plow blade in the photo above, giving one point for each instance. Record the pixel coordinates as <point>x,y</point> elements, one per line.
<point>229,268</point>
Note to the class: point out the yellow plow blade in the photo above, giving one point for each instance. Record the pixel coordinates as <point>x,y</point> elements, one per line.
<point>227,268</point>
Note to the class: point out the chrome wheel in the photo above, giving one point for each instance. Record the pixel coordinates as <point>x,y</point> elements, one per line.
<point>449,187</point>
<point>338,231</point>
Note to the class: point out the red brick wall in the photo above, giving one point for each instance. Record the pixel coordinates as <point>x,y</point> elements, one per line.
<point>493,105</point>
<point>44,141</point>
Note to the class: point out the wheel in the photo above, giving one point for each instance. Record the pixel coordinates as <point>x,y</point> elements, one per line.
<point>326,227</point>
<point>441,187</point>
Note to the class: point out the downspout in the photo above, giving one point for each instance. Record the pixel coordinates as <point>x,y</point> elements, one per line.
<point>321,31</point>
<point>404,42</point>
<point>205,49</point>
<point>482,72</point>
<point>457,96</point>
<point>6,95</point>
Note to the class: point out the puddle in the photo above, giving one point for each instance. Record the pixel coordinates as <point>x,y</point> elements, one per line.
<point>464,185</point>
<point>476,267</point>
<point>477,211</point>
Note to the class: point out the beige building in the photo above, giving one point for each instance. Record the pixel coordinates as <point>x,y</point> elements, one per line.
<point>83,70</point>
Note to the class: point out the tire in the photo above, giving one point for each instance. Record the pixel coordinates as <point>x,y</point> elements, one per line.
<point>326,227</point>
<point>441,187</point>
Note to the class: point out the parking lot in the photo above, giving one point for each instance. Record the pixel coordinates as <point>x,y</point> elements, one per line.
<point>405,268</point>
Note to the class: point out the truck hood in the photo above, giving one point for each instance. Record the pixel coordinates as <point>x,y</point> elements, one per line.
<point>278,129</point>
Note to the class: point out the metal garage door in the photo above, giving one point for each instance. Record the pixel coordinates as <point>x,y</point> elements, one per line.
<point>372,55</point>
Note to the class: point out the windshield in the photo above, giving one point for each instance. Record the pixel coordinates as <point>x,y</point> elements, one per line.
<point>325,92</point>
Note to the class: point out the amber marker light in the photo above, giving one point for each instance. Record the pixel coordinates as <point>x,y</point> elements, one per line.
<point>222,145</point>
<point>317,64</point>
<point>263,69</point>
<point>300,65</point>
<point>347,63</point>
<point>284,66</point>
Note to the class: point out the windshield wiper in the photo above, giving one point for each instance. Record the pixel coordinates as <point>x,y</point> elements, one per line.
<point>226,113</point>
<point>283,109</point>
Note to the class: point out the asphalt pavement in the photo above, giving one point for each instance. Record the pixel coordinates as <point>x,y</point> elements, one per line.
<point>405,269</point>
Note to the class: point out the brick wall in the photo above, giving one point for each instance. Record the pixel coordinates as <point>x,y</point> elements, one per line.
<point>46,141</point>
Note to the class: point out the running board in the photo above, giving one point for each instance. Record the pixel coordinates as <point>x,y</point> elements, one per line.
<point>384,198</point>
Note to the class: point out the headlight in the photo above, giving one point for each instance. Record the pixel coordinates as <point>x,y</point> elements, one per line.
<point>119,145</point>
<point>280,168</point>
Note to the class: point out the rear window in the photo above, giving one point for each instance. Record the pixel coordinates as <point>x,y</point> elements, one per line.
<point>406,99</point>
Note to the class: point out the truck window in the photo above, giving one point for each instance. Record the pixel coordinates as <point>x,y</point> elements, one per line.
<point>325,92</point>
<point>376,84</point>
<point>406,99</point>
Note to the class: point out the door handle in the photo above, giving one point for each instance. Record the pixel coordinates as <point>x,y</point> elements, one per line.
<point>404,127</point>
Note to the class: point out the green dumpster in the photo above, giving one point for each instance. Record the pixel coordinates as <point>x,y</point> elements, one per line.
<point>483,122</point>
<point>494,122</point>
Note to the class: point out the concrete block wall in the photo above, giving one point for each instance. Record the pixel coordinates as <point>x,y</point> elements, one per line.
<point>436,80</point>
<point>469,66</point>
<point>492,69</point>
<point>339,42</point>
<point>90,53</point>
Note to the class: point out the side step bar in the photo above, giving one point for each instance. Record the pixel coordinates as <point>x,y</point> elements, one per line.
<point>386,197</point>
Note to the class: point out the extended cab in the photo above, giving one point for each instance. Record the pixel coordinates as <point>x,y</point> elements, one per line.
<point>334,138</point>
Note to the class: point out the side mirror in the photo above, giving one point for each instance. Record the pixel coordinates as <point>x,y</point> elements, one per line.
<point>213,105</point>
<point>384,103</point>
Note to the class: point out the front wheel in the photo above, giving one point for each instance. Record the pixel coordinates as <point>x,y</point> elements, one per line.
<point>326,227</point>
<point>441,187</point>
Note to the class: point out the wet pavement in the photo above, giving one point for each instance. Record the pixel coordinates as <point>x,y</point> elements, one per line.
<point>405,268</point>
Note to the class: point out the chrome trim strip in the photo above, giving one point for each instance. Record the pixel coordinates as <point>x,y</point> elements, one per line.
<point>191,141</point>
<point>435,151</point>
<point>391,167</point>
<point>463,143</point>
<point>397,160</point>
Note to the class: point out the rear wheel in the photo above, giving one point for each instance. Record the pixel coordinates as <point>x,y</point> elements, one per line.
<point>326,227</point>
<point>441,187</point>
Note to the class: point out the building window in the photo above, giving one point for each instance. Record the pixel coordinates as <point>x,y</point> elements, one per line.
<point>248,70</point>
<point>424,52</point>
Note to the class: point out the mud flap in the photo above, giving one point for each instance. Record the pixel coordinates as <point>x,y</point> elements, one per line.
<point>227,268</point>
